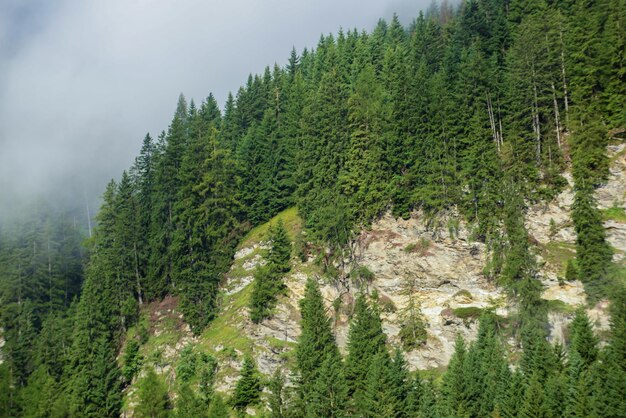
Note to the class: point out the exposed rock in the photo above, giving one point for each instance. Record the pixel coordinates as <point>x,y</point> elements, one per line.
<point>613,192</point>
<point>616,236</point>
<point>448,268</point>
<point>449,273</point>
<point>572,293</point>
<point>254,262</point>
<point>235,285</point>
<point>552,221</point>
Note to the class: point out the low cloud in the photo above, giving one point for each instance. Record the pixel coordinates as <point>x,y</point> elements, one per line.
<point>81,82</point>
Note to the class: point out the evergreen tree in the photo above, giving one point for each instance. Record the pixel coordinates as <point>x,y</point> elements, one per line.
<point>365,340</point>
<point>268,279</point>
<point>218,408</point>
<point>316,347</point>
<point>152,395</point>
<point>454,384</point>
<point>248,388</point>
<point>188,404</point>
<point>277,401</point>
<point>534,402</point>
<point>413,329</point>
<point>328,396</point>
<point>583,341</point>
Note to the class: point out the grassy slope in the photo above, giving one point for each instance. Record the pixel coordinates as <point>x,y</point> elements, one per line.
<point>223,339</point>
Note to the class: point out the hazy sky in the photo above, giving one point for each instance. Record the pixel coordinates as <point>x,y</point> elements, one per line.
<point>82,81</point>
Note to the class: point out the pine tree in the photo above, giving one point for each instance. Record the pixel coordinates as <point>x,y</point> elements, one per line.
<point>39,396</point>
<point>152,395</point>
<point>378,398</point>
<point>610,371</point>
<point>365,340</point>
<point>405,390</point>
<point>316,346</point>
<point>413,329</point>
<point>534,403</point>
<point>583,340</point>
<point>208,216</point>
<point>278,400</point>
<point>268,279</point>
<point>509,405</point>
<point>248,387</point>
<point>327,395</point>
<point>454,384</point>
<point>362,179</point>
<point>218,408</point>
<point>188,404</point>
<point>132,361</point>
<point>166,188</point>
<point>429,405</point>
<point>578,398</point>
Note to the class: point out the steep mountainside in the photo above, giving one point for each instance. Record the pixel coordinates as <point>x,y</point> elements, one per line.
<point>437,253</point>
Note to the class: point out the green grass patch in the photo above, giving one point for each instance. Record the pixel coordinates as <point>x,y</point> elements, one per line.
<point>279,344</point>
<point>463,293</point>
<point>558,253</point>
<point>615,213</point>
<point>617,274</point>
<point>469,312</point>
<point>224,329</point>
<point>433,374</point>
<point>556,305</point>
<point>291,221</point>
<point>310,269</point>
<point>421,247</point>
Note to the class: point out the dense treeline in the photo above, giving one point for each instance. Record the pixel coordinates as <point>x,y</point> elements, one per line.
<point>475,110</point>
<point>41,270</point>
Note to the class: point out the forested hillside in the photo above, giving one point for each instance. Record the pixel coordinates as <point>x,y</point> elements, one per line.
<point>474,112</point>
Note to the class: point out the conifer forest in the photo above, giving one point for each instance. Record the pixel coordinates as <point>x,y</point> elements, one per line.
<point>240,217</point>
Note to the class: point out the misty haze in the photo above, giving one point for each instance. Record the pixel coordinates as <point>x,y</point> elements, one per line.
<point>82,82</point>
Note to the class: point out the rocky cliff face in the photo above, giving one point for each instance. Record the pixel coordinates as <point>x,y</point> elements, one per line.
<point>439,256</point>
<point>448,267</point>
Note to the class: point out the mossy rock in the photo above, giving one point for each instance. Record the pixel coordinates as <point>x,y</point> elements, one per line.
<point>469,312</point>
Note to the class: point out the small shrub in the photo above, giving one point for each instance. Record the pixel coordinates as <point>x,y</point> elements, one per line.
<point>413,337</point>
<point>571,271</point>
<point>132,361</point>
<point>615,213</point>
<point>463,293</point>
<point>301,247</point>
<point>421,247</point>
<point>143,332</point>
<point>553,229</point>
<point>386,304</point>
<point>556,305</point>
<point>453,228</point>
<point>469,312</point>
<point>362,276</point>
<point>186,368</point>
<point>208,370</point>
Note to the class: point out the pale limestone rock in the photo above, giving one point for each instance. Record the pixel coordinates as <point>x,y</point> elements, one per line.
<point>254,262</point>
<point>613,192</point>
<point>244,252</point>
<point>236,285</point>
<point>449,270</point>
<point>616,236</point>
<point>572,293</point>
